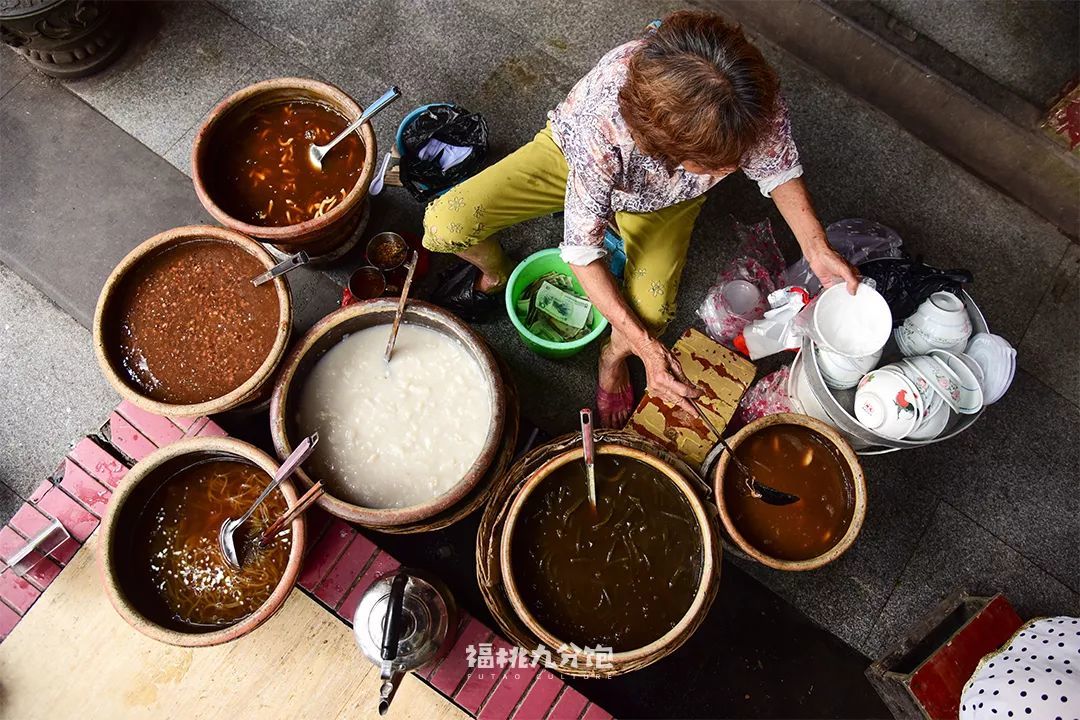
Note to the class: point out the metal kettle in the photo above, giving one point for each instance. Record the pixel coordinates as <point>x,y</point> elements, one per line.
<point>404,621</point>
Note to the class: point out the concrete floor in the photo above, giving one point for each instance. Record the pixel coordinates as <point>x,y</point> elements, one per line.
<point>994,509</point>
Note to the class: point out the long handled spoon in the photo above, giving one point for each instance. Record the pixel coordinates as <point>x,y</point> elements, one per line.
<point>316,153</point>
<point>401,307</point>
<point>589,457</point>
<point>759,490</point>
<point>226,538</point>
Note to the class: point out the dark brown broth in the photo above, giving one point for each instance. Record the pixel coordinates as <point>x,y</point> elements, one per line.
<point>177,574</point>
<point>190,326</point>
<point>260,171</point>
<point>619,578</point>
<point>796,460</point>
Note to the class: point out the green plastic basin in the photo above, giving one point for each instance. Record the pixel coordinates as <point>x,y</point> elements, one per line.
<point>531,268</point>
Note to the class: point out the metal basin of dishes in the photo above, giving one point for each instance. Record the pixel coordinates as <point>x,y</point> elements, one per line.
<point>105,321</point>
<point>329,332</point>
<point>705,517</point>
<point>320,235</point>
<point>118,535</point>
<point>809,389</point>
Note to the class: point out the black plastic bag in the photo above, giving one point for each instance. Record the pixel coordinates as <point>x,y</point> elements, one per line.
<point>453,125</point>
<point>457,293</point>
<point>906,283</point>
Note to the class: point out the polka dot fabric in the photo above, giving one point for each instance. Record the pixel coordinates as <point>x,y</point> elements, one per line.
<point>1036,675</point>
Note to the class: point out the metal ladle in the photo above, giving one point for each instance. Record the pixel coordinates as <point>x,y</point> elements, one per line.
<point>290,263</point>
<point>588,454</point>
<point>226,538</point>
<point>759,490</point>
<point>316,153</point>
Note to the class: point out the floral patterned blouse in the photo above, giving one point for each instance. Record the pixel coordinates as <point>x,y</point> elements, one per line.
<point>608,174</point>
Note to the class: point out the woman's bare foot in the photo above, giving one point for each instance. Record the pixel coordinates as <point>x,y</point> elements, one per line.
<point>614,393</point>
<point>489,284</point>
<point>495,267</point>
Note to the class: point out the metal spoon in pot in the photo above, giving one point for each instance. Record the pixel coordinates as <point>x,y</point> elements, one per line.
<point>316,153</point>
<point>757,489</point>
<point>226,539</point>
<point>589,455</point>
<point>290,263</point>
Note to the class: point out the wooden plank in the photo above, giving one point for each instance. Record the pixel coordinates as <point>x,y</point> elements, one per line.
<point>72,656</point>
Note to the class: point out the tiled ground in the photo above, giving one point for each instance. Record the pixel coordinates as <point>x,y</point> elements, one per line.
<point>1003,495</point>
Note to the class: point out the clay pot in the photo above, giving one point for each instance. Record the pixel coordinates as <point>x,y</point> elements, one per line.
<point>126,505</point>
<point>847,456</point>
<point>710,569</point>
<point>319,236</point>
<point>252,389</point>
<point>327,333</point>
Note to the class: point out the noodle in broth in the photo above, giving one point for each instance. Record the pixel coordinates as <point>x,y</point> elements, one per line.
<point>180,574</point>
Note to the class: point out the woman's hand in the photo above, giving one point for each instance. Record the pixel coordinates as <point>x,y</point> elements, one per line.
<point>793,201</point>
<point>831,268</point>
<point>664,376</point>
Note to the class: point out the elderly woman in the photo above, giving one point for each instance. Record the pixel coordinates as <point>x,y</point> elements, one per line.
<point>637,143</point>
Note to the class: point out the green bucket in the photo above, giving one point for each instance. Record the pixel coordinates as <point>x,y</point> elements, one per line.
<point>531,268</point>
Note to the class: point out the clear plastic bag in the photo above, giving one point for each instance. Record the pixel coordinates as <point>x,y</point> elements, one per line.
<point>768,396</point>
<point>857,240</point>
<point>739,295</point>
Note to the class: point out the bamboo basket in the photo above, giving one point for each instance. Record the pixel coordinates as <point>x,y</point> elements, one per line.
<point>489,540</point>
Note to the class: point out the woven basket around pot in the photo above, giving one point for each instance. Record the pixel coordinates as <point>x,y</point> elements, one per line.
<point>489,537</point>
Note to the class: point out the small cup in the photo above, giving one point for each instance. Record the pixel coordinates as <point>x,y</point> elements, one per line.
<point>741,298</point>
<point>365,283</point>
<point>387,251</point>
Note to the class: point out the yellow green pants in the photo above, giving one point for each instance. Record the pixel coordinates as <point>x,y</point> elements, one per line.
<point>531,182</point>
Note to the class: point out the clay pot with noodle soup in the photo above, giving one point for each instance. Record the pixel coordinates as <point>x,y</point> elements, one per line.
<point>632,575</point>
<point>251,170</point>
<point>163,568</point>
<point>180,330</point>
<point>803,456</point>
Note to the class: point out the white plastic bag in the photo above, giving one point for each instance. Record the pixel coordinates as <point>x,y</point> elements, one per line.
<point>739,295</point>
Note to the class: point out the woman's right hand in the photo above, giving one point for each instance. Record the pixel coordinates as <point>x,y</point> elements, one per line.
<point>664,375</point>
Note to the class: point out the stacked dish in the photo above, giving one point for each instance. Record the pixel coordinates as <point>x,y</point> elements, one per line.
<point>888,403</point>
<point>912,399</point>
<point>940,323</point>
<point>996,359</point>
<point>851,331</point>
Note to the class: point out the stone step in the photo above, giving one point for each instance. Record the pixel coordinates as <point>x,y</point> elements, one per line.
<point>946,103</point>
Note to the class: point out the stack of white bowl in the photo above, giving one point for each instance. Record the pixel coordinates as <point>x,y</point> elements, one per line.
<point>912,399</point>
<point>941,322</point>
<point>996,358</point>
<point>851,331</point>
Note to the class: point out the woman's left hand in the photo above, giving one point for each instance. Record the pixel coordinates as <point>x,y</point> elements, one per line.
<point>831,268</point>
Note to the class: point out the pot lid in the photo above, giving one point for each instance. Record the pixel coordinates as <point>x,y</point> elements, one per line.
<point>427,613</point>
